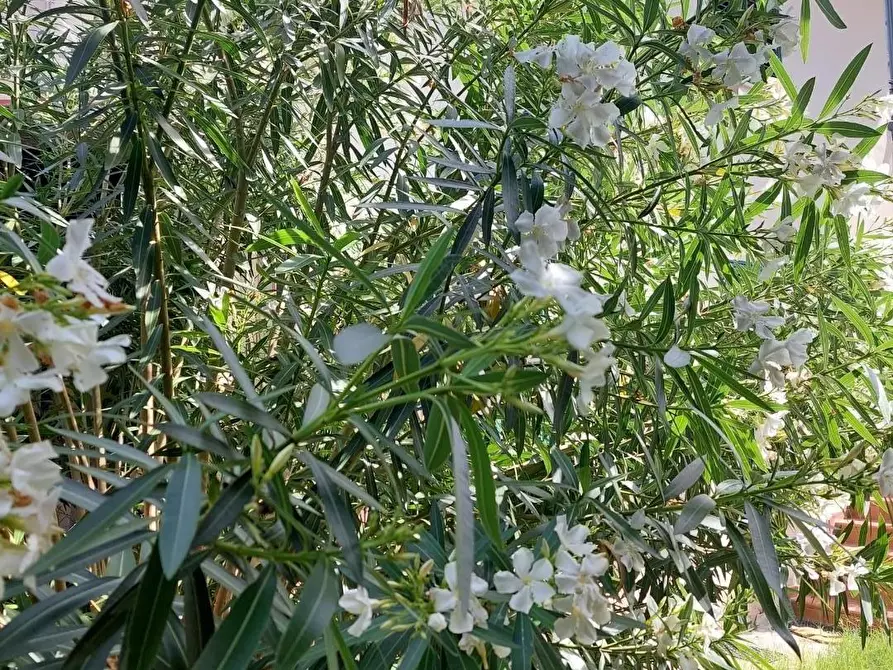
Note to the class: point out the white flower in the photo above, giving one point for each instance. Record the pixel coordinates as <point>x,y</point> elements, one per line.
<point>584,612</point>
<point>31,469</point>
<point>881,109</point>
<point>687,662</point>
<point>610,69</point>
<point>736,66</point>
<point>14,323</point>
<point>656,146</point>
<point>714,116</point>
<point>786,36</point>
<point>595,375</point>
<point>885,475</point>
<point>16,386</point>
<point>694,46</point>
<point>627,554</point>
<point>548,229</point>
<point>356,343</point>
<point>357,602</point>
<point>447,600</point>
<point>583,117</point>
<point>579,326</point>
<point>77,350</point>
<point>775,356</point>
<point>769,429</point>
<point>785,230</point>
<point>852,201</point>
<point>753,315</point>
<point>70,268</point>
<point>541,55</point>
<point>676,357</point>
<point>576,577</point>
<point>573,539</point>
<point>539,279</point>
<point>843,579</point>
<point>529,583</point>
<point>437,622</point>
<point>771,267</point>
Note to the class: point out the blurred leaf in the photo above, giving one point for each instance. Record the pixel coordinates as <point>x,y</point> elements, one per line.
<point>84,51</point>
<point>148,618</point>
<point>318,603</point>
<point>693,513</point>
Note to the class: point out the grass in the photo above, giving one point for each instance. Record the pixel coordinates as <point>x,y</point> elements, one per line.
<point>849,655</point>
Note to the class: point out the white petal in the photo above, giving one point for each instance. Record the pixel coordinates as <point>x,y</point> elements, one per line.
<point>437,622</point>
<point>461,622</point>
<point>506,582</point>
<point>317,402</point>
<point>522,560</point>
<point>676,357</point>
<point>541,592</point>
<point>565,628</point>
<point>522,601</point>
<point>541,570</point>
<point>355,343</point>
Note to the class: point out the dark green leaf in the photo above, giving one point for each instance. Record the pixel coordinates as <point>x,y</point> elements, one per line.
<point>418,290</point>
<point>145,626</point>
<point>84,51</point>
<point>761,537</point>
<point>522,654</point>
<point>241,409</point>
<point>413,654</point>
<point>830,14</point>
<point>225,510</point>
<point>196,438</point>
<point>235,642</point>
<point>437,436</point>
<point>318,603</point>
<point>406,361</point>
<point>183,504</point>
<point>198,615</point>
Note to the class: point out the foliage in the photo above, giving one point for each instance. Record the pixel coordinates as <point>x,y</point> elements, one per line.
<point>348,432</point>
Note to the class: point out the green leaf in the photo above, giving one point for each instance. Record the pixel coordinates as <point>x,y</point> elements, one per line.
<point>865,330</point>
<point>805,237</point>
<point>183,504</point>
<point>761,537</point>
<point>235,642</point>
<point>484,484</point>
<point>196,438</point>
<point>318,603</point>
<point>686,478</point>
<point>225,510</point>
<point>716,368</point>
<point>847,129</point>
<point>418,290</point>
<point>801,103</point>
<point>161,161</point>
<point>413,654</point>
<point>694,513</point>
<point>668,312</point>
<point>345,483</point>
<point>340,517</point>
<point>406,361</point>
<point>114,508</point>
<point>761,588</point>
<point>40,616</point>
<point>845,82</point>
<point>84,51</point>
<point>198,615</point>
<point>522,654</point>
<point>804,30</point>
<point>782,75</point>
<point>423,324</point>
<point>830,14</point>
<point>437,436</point>
<point>145,626</point>
<point>132,181</point>
<point>241,409</point>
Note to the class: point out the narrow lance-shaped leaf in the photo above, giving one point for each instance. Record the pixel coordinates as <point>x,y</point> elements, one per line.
<point>148,618</point>
<point>464,539</point>
<point>318,603</point>
<point>764,548</point>
<point>686,478</point>
<point>235,642</point>
<point>84,51</point>
<point>183,503</point>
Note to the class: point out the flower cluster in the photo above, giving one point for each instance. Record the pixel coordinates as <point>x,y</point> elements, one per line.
<point>565,581</point>
<point>28,498</point>
<point>815,166</point>
<point>586,72</point>
<point>52,335</point>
